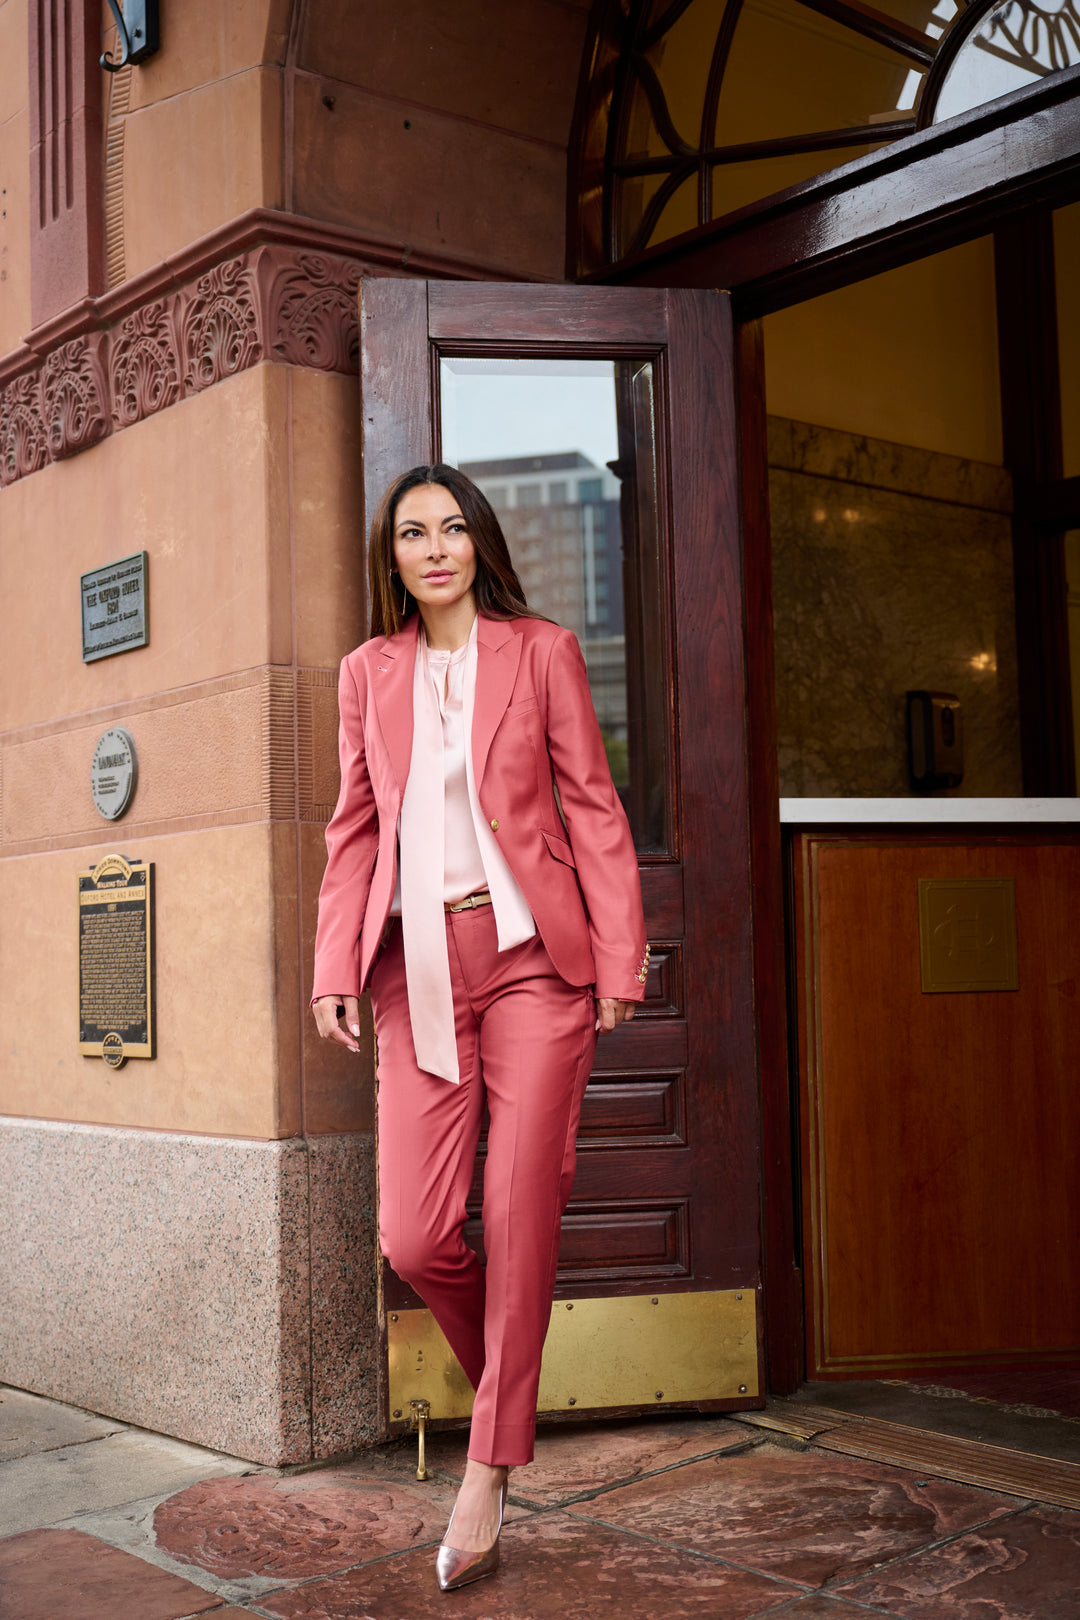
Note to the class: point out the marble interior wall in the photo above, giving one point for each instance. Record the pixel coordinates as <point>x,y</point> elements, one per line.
<point>892,570</point>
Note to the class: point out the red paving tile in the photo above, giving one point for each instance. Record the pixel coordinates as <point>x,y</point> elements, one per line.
<point>66,1575</point>
<point>571,1459</point>
<point>300,1527</point>
<point>1027,1568</point>
<point>807,1516</point>
<point>819,1606</point>
<point>555,1567</point>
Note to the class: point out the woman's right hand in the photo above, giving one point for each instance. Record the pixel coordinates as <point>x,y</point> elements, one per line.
<point>338,1019</point>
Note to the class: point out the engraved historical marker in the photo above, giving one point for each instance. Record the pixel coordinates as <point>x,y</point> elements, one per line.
<point>116,961</point>
<point>115,616</point>
<point>114,772</point>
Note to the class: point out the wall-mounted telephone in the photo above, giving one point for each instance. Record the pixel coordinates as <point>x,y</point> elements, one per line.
<point>935,724</point>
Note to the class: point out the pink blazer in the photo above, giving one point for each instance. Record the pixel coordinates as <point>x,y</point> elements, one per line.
<point>534,724</point>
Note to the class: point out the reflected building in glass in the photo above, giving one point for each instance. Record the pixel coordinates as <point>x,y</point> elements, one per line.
<point>560,515</point>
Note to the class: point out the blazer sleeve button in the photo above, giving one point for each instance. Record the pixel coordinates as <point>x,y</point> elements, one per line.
<point>495,825</point>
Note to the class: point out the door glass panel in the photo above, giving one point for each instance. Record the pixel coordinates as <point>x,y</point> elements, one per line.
<point>565,452</point>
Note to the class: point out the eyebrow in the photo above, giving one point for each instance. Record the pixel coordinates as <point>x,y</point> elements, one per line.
<point>413,523</point>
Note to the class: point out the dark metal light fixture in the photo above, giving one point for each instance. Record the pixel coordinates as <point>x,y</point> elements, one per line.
<point>140,35</point>
<point>935,740</point>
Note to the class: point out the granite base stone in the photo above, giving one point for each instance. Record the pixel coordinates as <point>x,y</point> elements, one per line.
<point>344,1287</point>
<point>220,1290</point>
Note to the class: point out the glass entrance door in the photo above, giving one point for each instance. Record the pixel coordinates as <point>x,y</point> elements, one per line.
<point>600,423</point>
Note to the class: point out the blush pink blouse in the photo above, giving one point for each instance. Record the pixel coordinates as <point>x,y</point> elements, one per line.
<point>441,815</point>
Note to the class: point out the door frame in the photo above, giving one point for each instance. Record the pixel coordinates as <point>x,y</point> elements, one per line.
<point>999,168</point>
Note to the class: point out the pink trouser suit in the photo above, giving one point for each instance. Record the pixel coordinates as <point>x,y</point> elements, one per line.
<point>524,1018</point>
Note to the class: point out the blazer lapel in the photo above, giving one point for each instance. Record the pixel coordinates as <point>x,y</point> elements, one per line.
<point>498,653</point>
<point>392,681</point>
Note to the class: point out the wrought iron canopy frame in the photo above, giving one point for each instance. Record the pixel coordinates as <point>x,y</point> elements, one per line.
<point>939,187</point>
<point>617,65</point>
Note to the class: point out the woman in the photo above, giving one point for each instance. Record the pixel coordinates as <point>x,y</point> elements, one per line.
<point>482,883</point>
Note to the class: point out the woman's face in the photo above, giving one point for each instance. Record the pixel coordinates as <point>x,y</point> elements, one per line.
<point>432,549</point>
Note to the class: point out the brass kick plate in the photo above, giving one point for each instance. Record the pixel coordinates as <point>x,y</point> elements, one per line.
<point>967,934</point>
<point>640,1351</point>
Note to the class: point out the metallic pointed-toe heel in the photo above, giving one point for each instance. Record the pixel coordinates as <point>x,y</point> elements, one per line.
<point>454,1568</point>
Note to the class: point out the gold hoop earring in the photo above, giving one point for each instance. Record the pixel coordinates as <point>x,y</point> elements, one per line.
<point>393,593</point>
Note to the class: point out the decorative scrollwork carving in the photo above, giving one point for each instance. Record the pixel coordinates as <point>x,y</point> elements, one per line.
<point>273,303</point>
<point>23,441</point>
<point>73,398</point>
<point>311,313</point>
<point>144,366</point>
<point>220,325</point>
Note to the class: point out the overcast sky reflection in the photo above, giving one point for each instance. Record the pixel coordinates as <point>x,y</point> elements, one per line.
<point>502,408</point>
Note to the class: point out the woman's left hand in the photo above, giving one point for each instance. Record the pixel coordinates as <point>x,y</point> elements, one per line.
<point>611,1013</point>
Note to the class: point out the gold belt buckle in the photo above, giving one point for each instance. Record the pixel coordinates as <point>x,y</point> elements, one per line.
<point>470,902</point>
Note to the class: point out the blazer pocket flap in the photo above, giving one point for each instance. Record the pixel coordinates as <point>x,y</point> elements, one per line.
<point>559,848</point>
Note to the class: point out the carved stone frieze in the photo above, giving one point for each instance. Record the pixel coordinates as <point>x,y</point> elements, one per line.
<point>219,322</point>
<point>294,306</point>
<point>144,364</point>
<point>311,309</point>
<point>24,444</point>
<point>74,398</point>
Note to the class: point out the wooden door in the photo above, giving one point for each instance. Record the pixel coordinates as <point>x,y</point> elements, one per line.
<point>658,1295</point>
<point>938,1038</point>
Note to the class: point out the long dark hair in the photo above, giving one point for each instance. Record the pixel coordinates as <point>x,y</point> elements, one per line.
<point>498,590</point>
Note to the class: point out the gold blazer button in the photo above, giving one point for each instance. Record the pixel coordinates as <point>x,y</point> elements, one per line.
<point>495,825</point>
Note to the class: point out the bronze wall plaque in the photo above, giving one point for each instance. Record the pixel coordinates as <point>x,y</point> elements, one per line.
<point>967,934</point>
<point>115,613</point>
<point>116,961</point>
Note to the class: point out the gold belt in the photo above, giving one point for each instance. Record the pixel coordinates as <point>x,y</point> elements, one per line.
<point>483,898</point>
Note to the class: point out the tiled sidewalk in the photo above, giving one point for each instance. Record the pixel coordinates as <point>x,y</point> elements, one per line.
<point>669,1518</point>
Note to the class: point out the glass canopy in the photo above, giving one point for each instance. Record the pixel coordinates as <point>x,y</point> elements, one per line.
<point>696,108</point>
<point>1014,44</point>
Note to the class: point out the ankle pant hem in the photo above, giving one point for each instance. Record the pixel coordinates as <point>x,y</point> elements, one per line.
<point>502,1445</point>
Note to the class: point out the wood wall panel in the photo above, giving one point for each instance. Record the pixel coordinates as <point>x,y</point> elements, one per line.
<point>616,1242</point>
<point>940,1132</point>
<point>633,1109</point>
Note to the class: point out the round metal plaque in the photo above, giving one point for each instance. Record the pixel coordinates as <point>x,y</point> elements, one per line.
<point>112,1050</point>
<point>113,773</point>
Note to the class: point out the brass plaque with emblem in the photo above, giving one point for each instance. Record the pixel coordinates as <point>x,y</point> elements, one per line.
<point>116,961</point>
<point>967,934</point>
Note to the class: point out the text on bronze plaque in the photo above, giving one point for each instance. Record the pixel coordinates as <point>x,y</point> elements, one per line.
<point>116,960</point>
